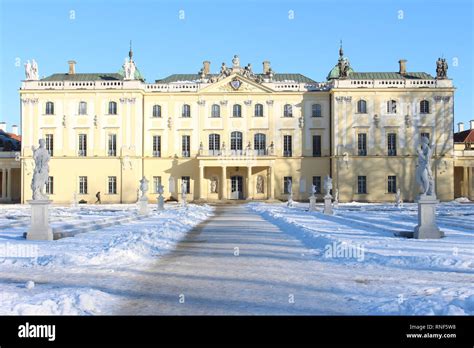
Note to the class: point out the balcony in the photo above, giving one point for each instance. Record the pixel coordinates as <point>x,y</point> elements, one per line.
<point>236,153</point>
<point>158,154</point>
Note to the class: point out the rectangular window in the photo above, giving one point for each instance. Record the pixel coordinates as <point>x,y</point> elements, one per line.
<point>156,183</point>
<point>82,108</point>
<point>83,185</point>
<point>362,184</point>
<point>316,146</point>
<point>426,135</point>
<point>317,183</point>
<point>157,146</point>
<point>50,144</point>
<point>392,184</point>
<point>187,181</point>
<point>186,146</point>
<point>392,144</point>
<point>286,184</point>
<point>112,145</point>
<point>362,144</point>
<point>287,146</point>
<point>112,187</point>
<point>82,145</point>
<point>50,185</point>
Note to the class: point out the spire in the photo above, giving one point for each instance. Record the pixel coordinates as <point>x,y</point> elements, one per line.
<point>341,51</point>
<point>130,53</point>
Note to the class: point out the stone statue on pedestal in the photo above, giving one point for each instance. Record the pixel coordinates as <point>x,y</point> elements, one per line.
<point>260,184</point>
<point>41,173</point>
<point>328,185</point>
<point>144,188</point>
<point>213,184</point>
<point>424,175</point>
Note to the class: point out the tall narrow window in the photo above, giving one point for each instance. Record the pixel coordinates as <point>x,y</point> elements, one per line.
<point>186,112</point>
<point>50,143</point>
<point>286,184</point>
<point>426,135</point>
<point>49,108</point>
<point>288,110</point>
<point>186,146</point>
<point>156,146</point>
<point>112,145</point>
<point>50,185</point>
<point>112,189</point>
<point>392,107</point>
<point>215,110</point>
<point>424,107</point>
<point>260,143</point>
<point>316,110</point>
<point>236,142</point>
<point>156,184</point>
<point>392,184</point>
<point>362,144</point>
<point>362,184</point>
<point>392,144</point>
<point>112,108</point>
<point>156,110</point>
<point>237,110</point>
<point>316,146</point>
<point>82,108</point>
<point>82,148</point>
<point>214,144</point>
<point>258,110</point>
<point>287,146</point>
<point>83,185</point>
<point>361,107</point>
<point>187,181</point>
<point>317,183</point>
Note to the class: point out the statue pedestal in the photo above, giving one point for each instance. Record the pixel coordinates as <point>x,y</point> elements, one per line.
<point>39,228</point>
<point>160,202</point>
<point>427,227</point>
<point>312,203</point>
<point>328,205</point>
<point>290,201</point>
<point>143,206</point>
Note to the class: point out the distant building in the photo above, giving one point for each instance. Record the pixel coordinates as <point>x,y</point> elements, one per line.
<point>238,134</point>
<point>10,172</point>
<point>464,161</point>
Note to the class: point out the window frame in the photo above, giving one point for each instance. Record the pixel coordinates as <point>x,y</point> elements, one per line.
<point>112,184</point>
<point>391,184</point>
<point>392,107</point>
<point>186,111</point>
<point>186,146</point>
<point>237,110</point>
<point>286,181</point>
<point>287,145</point>
<point>113,108</point>
<point>50,186</point>
<point>112,145</point>
<point>156,111</point>
<point>288,110</point>
<point>424,107</point>
<point>362,183</point>
<point>362,106</point>
<point>361,145</point>
<point>82,111</point>
<point>258,106</point>
<point>317,150</point>
<point>156,145</point>
<point>215,111</point>
<point>49,108</point>
<point>391,144</point>
<point>316,110</point>
<point>83,189</point>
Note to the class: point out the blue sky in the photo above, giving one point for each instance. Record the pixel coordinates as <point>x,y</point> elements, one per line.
<point>374,38</point>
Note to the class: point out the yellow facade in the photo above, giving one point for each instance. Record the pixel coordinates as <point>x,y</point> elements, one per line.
<point>245,173</point>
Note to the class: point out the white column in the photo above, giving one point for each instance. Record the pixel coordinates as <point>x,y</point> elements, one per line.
<point>9,184</point>
<point>4,182</point>
<point>201,182</point>
<point>224,182</point>
<point>249,182</point>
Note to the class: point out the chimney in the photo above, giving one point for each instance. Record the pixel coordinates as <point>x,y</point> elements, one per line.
<point>471,124</point>
<point>460,127</point>
<point>72,67</point>
<point>15,129</point>
<point>266,67</point>
<point>403,66</point>
<point>206,67</point>
<point>3,126</point>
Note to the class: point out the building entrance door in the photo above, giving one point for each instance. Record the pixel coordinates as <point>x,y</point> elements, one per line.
<point>236,187</point>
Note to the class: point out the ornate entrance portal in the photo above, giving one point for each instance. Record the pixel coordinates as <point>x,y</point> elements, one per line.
<point>236,187</point>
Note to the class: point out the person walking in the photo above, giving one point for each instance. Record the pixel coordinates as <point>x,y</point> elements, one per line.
<point>97,195</point>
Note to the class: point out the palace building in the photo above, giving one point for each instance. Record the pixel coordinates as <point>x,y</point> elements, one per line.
<point>236,133</point>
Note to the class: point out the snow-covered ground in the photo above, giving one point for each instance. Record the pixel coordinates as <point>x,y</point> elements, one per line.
<point>361,236</point>
<point>57,267</point>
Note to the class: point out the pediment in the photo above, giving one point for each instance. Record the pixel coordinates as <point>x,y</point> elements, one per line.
<point>236,83</point>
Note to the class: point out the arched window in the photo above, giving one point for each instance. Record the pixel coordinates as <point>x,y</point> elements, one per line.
<point>258,110</point>
<point>82,108</point>
<point>186,111</point>
<point>237,110</point>
<point>260,143</point>
<point>112,108</point>
<point>236,141</point>
<point>156,110</point>
<point>215,110</point>
<point>392,107</point>
<point>288,110</point>
<point>424,107</point>
<point>214,144</point>
<point>361,107</point>
<point>49,108</point>
<point>316,110</point>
